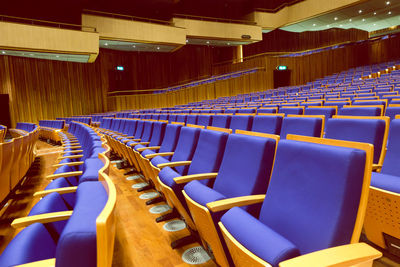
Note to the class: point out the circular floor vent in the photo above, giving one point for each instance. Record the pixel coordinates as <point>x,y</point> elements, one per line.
<point>195,255</point>
<point>149,195</point>
<point>175,225</point>
<point>159,209</point>
<point>139,185</point>
<point>133,177</point>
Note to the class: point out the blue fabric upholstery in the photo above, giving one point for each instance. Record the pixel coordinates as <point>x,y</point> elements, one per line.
<point>295,111</point>
<point>360,111</point>
<point>221,121</point>
<point>358,130</point>
<point>267,124</point>
<point>391,112</point>
<point>392,159</point>
<point>204,120</point>
<point>241,122</point>
<point>301,126</point>
<point>327,112</point>
<point>386,182</point>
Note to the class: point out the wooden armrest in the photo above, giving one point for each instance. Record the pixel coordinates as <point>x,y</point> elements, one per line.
<point>200,176</point>
<point>148,148</point>
<point>174,164</point>
<point>71,157</point>
<point>42,218</point>
<point>77,163</point>
<point>226,204</point>
<point>72,151</point>
<point>73,147</point>
<point>346,255</point>
<point>376,167</point>
<point>140,143</point>
<point>61,191</point>
<point>42,263</point>
<point>162,154</point>
<point>65,174</point>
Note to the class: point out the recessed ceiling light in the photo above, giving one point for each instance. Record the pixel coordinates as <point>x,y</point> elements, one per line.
<point>387,2</point>
<point>336,18</point>
<point>228,43</point>
<point>340,25</point>
<point>374,24</point>
<point>133,46</point>
<point>105,44</point>
<point>360,11</point>
<point>31,54</point>
<point>208,42</point>
<point>390,12</point>
<point>374,13</point>
<point>363,19</point>
<point>350,20</point>
<point>327,26</point>
<point>57,56</point>
<point>314,25</point>
<point>158,48</point>
<point>3,52</point>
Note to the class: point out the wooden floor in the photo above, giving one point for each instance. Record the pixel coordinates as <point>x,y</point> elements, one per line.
<point>140,241</point>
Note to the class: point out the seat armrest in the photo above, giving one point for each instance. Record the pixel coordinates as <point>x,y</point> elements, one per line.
<point>228,203</point>
<point>61,191</point>
<point>346,255</point>
<point>77,163</point>
<point>72,147</point>
<point>65,174</point>
<point>42,218</point>
<point>376,167</point>
<point>162,154</point>
<point>71,157</point>
<point>200,176</point>
<point>72,151</point>
<point>140,143</point>
<point>145,148</point>
<point>174,164</point>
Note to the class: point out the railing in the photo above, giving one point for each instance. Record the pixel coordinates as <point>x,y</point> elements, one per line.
<point>185,16</point>
<point>186,85</point>
<point>126,17</point>
<point>46,23</point>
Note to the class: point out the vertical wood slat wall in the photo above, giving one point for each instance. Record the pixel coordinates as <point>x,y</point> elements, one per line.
<point>41,89</point>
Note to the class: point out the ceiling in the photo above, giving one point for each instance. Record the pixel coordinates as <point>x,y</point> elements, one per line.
<point>135,47</point>
<point>369,16</point>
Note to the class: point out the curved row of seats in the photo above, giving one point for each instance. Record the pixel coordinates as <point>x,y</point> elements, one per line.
<point>3,132</point>
<point>49,130</point>
<point>189,151</point>
<point>83,119</point>
<point>16,157</point>
<point>57,234</point>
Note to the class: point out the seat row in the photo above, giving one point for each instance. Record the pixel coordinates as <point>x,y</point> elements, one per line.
<point>16,157</point>
<point>50,129</point>
<point>57,234</point>
<point>218,170</point>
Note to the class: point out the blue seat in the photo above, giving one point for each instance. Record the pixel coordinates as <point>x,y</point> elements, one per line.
<point>206,159</point>
<point>221,121</point>
<point>241,122</point>
<point>291,110</point>
<point>267,124</point>
<point>301,126</point>
<point>246,111</point>
<point>360,111</point>
<point>296,205</point>
<point>191,119</point>
<point>371,130</point>
<point>250,177</point>
<point>384,193</point>
<point>392,111</point>
<point>328,112</point>
<point>204,120</point>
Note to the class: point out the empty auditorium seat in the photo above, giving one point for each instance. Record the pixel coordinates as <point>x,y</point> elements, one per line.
<point>301,126</point>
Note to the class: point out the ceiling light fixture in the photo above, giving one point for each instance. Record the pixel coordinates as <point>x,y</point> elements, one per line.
<point>350,20</point>
<point>228,43</point>
<point>3,52</point>
<point>336,18</point>
<point>363,19</point>
<point>158,48</point>
<point>31,54</point>
<point>340,25</point>
<point>387,2</point>
<point>374,24</point>
<point>374,13</point>
<point>314,25</point>
<point>105,44</point>
<point>327,26</point>
<point>134,46</point>
<point>57,56</point>
<point>390,12</point>
<point>208,42</point>
<point>360,11</point>
<point>187,41</point>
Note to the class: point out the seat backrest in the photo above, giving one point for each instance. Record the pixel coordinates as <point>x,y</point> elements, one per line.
<point>191,119</point>
<point>181,118</point>
<point>241,122</point>
<point>204,120</point>
<point>246,165</point>
<point>246,110</point>
<point>267,110</point>
<point>171,137</point>
<point>371,131</point>
<point>139,129</point>
<point>158,133</point>
<point>185,147</point>
<point>221,121</point>
<point>328,112</point>
<point>267,124</point>
<point>360,111</point>
<point>307,192</point>
<point>301,126</point>
<point>391,163</point>
<point>209,151</point>
<point>292,110</point>
<point>392,111</point>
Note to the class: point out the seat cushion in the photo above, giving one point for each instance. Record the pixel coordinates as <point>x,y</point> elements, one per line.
<point>258,238</point>
<point>386,182</point>
<point>34,243</point>
<point>201,193</point>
